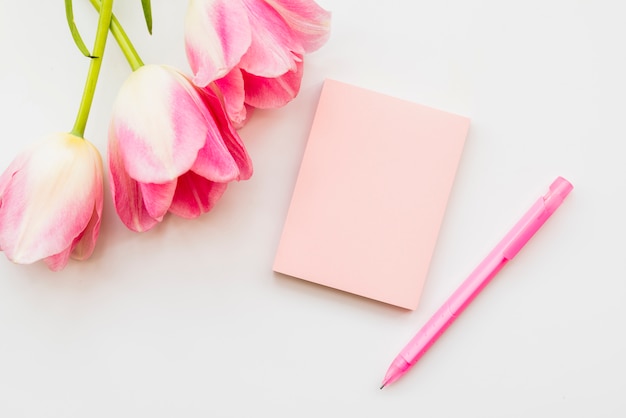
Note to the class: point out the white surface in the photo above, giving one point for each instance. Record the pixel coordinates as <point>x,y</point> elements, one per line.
<point>188,319</point>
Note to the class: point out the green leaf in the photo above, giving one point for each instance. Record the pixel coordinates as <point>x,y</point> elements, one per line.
<point>69,14</point>
<point>147,13</point>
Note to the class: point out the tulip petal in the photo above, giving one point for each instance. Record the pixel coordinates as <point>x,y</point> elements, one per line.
<point>127,196</point>
<point>195,195</point>
<point>271,93</point>
<point>49,201</point>
<point>217,34</point>
<point>309,22</point>
<point>214,161</point>
<point>84,244</point>
<point>157,198</point>
<point>7,175</point>
<point>223,141</point>
<point>249,112</point>
<point>158,124</point>
<point>273,50</point>
<point>232,88</point>
<point>58,261</point>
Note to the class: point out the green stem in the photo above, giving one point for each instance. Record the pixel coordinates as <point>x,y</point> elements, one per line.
<point>122,39</point>
<point>94,69</point>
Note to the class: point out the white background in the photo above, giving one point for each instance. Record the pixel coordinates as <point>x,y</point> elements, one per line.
<point>188,320</point>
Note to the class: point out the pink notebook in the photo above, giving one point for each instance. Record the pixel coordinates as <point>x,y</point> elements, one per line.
<point>371,194</point>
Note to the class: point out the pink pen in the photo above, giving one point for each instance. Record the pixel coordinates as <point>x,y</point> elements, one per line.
<point>480,277</point>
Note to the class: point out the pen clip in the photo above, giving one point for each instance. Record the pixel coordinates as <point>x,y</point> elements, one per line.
<point>524,229</point>
<point>535,217</point>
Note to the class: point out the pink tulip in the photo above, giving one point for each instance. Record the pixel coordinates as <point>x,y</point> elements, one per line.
<point>51,202</point>
<point>171,148</point>
<point>253,48</point>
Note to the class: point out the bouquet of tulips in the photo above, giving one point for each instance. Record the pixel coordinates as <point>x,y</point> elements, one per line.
<point>173,144</point>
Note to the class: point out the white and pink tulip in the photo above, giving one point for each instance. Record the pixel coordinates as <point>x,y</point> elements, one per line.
<point>51,202</point>
<point>172,148</point>
<point>253,49</point>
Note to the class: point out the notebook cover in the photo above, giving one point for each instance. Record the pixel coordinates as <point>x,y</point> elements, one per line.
<point>371,194</point>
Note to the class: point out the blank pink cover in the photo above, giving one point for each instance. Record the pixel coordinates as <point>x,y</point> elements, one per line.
<point>371,194</point>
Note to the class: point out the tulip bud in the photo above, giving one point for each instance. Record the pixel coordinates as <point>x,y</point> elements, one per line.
<point>51,202</point>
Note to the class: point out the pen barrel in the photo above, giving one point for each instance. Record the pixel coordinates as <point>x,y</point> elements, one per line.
<point>453,307</point>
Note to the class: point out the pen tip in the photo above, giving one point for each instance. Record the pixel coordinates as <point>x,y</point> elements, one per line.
<point>383,385</point>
